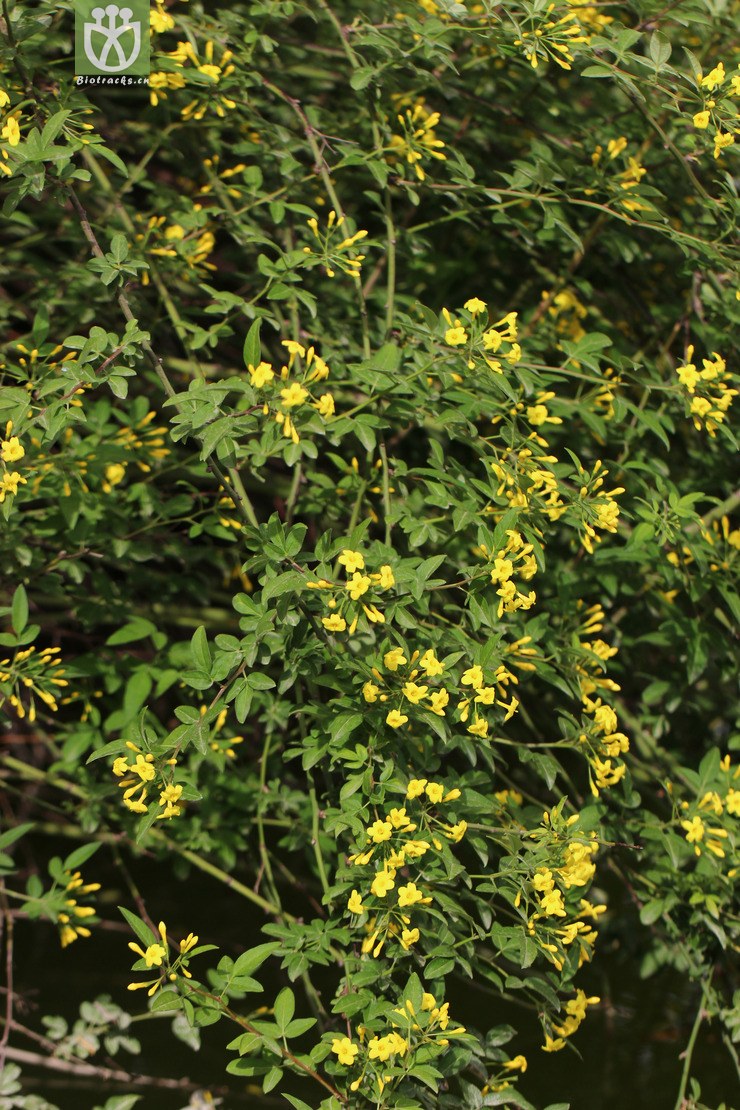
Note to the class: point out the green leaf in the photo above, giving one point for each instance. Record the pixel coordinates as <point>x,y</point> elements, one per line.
<point>659,49</point>
<point>166,1000</point>
<point>343,725</point>
<point>137,629</point>
<point>140,928</point>
<point>272,1079</point>
<point>257,681</point>
<point>201,651</point>
<point>252,959</point>
<point>19,610</point>
<point>284,1008</point>
<point>79,856</point>
<point>252,346</point>
<point>11,835</point>
<point>120,1102</point>
<point>113,748</point>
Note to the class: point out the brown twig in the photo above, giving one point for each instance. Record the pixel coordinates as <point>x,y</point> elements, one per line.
<point>8,931</point>
<point>111,1075</point>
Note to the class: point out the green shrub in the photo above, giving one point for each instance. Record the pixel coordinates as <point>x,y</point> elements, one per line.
<point>367,475</point>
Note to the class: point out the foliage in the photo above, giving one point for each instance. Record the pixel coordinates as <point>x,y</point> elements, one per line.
<point>367,505</point>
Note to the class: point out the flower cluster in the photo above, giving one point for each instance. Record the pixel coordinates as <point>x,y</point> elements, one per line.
<point>706,390</point>
<point>298,393</point>
<point>334,249</point>
<point>139,776</point>
<point>206,75</point>
<point>35,675</point>
<point>10,133</point>
<point>565,309</point>
<point>70,918</point>
<point>393,842</point>
<point>157,954</point>
<point>413,1027</point>
<point>626,179</point>
<point>418,139</point>
<point>481,339</point>
<point>356,596</point>
<point>136,439</point>
<point>515,558</point>
<point>170,240</point>
<point>11,451</point>
<point>599,510</point>
<point>699,818</point>
<point>599,738</point>
<point>716,108</point>
<point>526,479</point>
<point>406,685</point>
<point>544,37</point>
<point>575,1011</point>
<point>558,916</point>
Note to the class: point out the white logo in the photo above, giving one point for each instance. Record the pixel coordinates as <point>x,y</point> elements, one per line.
<point>107,37</point>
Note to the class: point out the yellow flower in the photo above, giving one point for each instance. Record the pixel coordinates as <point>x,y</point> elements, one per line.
<point>294,395</point>
<point>358,585</point>
<point>382,883</point>
<point>714,78</point>
<point>701,120</point>
<point>380,831</point>
<point>553,1044</point>
<point>394,658</point>
<point>11,132</point>
<point>519,1063</point>
<point>615,146</point>
<point>325,406</point>
<point>386,578</point>
<point>416,788</point>
<point>410,895</point>
<point>334,623</point>
<point>114,475</point>
<point>414,693</point>
<point>396,719</point>
<point>430,664</point>
<point>345,1050</point>
<point>160,21</point>
<point>409,937</point>
<point>373,614</point>
<point>261,375</point>
<point>543,880</point>
<point>189,942</point>
<point>351,561</point>
<point>456,336</point>
<point>438,700</point>
<point>552,904</point>
<point>370,692</point>
<point>473,677</point>
<point>475,306</point>
<point>11,450</point>
<point>694,830</point>
<point>143,768</point>
<point>456,832</point>
<point>435,792</point>
<point>169,798</point>
<point>354,904</point>
<point>479,727</point>
<point>153,956</point>
<point>721,141</point>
